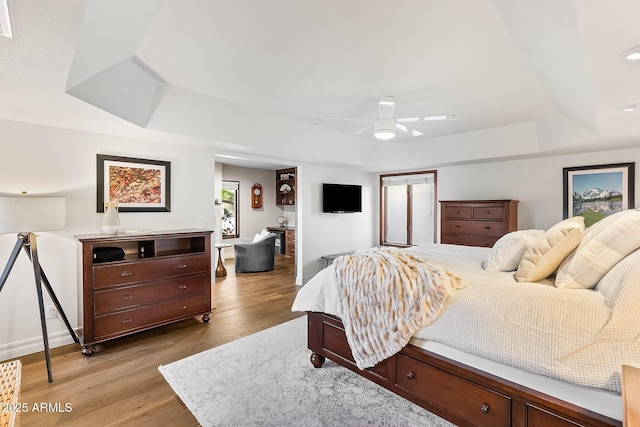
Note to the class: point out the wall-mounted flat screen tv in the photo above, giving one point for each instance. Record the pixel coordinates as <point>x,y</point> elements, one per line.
<point>341,198</point>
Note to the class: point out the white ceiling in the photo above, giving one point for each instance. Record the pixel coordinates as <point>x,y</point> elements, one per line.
<point>251,77</point>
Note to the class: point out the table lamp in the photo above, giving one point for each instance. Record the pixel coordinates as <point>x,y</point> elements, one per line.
<point>26,215</point>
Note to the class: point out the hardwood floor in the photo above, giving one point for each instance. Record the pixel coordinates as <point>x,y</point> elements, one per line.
<point>121,385</point>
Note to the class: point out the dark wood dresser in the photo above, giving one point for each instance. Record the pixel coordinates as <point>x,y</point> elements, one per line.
<point>162,277</point>
<point>477,222</point>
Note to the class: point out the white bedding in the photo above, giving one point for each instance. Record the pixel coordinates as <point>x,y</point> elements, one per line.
<point>581,336</point>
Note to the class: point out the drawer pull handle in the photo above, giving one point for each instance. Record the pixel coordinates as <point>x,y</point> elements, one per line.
<point>487,228</point>
<point>125,321</point>
<point>184,307</point>
<point>126,274</point>
<point>182,266</point>
<point>411,375</point>
<point>484,409</point>
<point>182,287</point>
<point>126,297</point>
<point>456,226</point>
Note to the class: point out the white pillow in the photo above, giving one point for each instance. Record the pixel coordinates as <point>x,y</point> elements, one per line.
<point>507,252</point>
<point>603,245</point>
<point>545,255</point>
<point>261,236</point>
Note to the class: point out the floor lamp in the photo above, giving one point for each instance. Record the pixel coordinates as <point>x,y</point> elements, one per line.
<point>18,214</point>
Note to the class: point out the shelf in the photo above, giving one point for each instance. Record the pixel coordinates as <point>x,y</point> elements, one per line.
<point>286,176</point>
<point>146,247</point>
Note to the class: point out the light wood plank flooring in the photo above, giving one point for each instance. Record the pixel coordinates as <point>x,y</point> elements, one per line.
<point>120,384</point>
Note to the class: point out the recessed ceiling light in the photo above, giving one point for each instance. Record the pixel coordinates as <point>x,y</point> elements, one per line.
<point>632,54</point>
<point>630,108</point>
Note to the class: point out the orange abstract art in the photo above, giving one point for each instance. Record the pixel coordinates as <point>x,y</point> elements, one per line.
<point>135,185</point>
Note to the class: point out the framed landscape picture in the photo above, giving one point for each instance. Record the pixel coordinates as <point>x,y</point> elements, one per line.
<point>595,192</point>
<point>137,185</point>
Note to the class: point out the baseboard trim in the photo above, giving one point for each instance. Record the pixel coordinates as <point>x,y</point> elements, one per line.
<point>34,345</point>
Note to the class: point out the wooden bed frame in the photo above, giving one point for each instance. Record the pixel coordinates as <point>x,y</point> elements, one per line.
<point>459,393</point>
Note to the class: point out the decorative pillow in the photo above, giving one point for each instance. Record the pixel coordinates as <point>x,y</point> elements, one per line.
<point>261,236</point>
<point>545,255</point>
<point>508,250</point>
<point>603,245</point>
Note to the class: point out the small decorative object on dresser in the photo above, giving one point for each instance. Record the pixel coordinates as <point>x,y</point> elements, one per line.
<point>477,222</point>
<point>111,220</point>
<point>164,277</point>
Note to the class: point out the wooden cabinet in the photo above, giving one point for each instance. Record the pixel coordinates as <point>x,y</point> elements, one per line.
<point>290,241</point>
<point>152,280</point>
<point>477,222</point>
<point>286,187</point>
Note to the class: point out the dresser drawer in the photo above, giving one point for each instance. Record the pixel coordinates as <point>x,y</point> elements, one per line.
<point>131,320</point>
<point>121,298</point>
<point>123,273</point>
<point>495,213</point>
<point>462,212</point>
<point>478,405</point>
<point>477,228</point>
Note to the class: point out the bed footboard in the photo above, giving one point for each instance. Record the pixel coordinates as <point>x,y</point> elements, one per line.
<point>461,394</point>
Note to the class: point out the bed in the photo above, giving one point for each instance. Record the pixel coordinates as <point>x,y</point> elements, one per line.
<point>536,335</point>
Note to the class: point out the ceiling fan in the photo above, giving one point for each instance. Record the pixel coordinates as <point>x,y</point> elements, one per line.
<point>385,126</point>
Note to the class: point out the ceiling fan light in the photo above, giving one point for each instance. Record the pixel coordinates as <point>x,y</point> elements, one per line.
<point>384,129</point>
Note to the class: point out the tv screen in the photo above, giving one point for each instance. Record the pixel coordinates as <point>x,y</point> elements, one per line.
<point>341,198</point>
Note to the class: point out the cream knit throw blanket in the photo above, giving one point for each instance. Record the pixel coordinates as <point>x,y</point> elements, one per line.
<point>387,296</point>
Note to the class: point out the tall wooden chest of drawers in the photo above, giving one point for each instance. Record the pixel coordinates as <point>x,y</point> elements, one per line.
<point>477,222</point>
<point>160,278</point>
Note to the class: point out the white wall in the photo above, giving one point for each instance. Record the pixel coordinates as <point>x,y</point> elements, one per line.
<point>49,161</point>
<point>325,233</point>
<point>536,183</point>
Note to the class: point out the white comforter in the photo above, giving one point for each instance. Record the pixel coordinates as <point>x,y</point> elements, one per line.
<point>571,334</point>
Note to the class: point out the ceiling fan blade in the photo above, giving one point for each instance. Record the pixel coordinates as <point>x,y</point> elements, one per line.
<point>386,105</point>
<point>435,117</point>
<point>407,129</point>
<point>319,120</point>
<point>363,130</point>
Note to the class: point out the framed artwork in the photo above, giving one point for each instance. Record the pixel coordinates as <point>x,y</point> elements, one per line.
<point>595,192</point>
<point>137,185</point>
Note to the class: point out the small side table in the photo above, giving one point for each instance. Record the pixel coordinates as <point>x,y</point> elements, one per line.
<point>220,270</point>
<point>327,260</point>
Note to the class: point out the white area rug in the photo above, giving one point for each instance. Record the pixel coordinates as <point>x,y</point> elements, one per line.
<point>266,379</point>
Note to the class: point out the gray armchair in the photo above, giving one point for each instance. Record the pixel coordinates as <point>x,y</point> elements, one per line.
<point>254,257</point>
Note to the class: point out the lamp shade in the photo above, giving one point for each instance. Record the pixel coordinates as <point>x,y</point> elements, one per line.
<point>24,214</point>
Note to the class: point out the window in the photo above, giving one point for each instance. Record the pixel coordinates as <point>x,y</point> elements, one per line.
<point>408,205</point>
<point>230,226</point>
